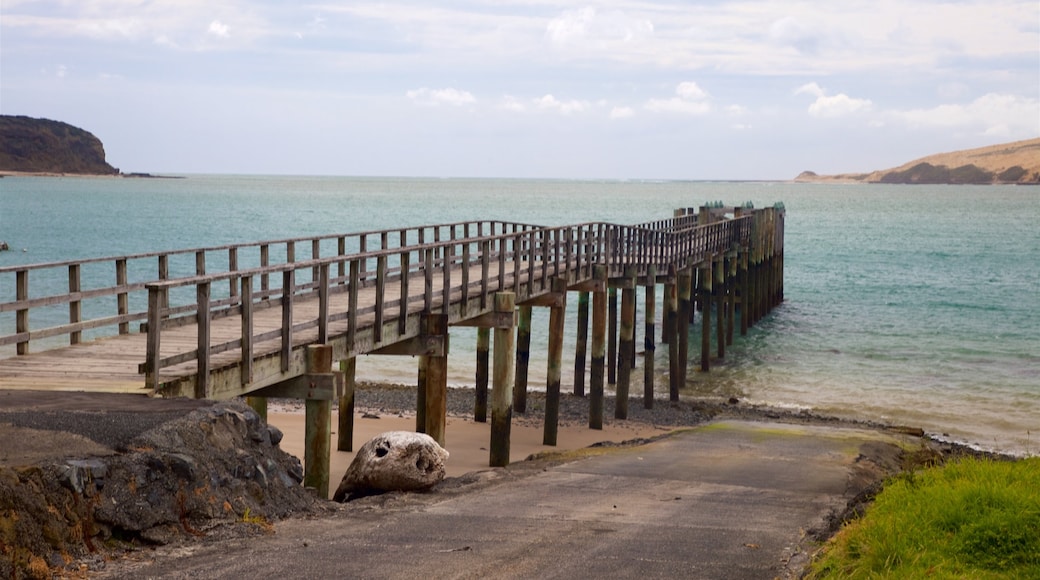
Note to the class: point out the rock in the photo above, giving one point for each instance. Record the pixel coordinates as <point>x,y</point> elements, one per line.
<point>393,461</point>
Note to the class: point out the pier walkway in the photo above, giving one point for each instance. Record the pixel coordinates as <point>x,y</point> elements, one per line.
<point>257,320</point>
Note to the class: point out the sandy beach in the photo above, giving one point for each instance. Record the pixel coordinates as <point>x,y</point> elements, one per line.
<point>466,440</point>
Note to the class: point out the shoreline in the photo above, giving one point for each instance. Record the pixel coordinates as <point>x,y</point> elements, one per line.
<point>389,407</point>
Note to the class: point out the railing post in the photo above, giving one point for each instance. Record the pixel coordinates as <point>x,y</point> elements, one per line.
<point>323,303</point>
<point>75,305</point>
<point>265,281</point>
<point>352,303</point>
<point>122,298</point>
<point>156,300</point>
<point>247,330</point>
<point>288,290</point>
<point>233,267</point>
<point>22,314</point>
<point>203,320</point>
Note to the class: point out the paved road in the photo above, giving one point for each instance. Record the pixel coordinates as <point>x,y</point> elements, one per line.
<point>728,500</point>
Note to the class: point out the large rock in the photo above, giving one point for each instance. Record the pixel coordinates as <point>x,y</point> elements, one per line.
<point>393,461</point>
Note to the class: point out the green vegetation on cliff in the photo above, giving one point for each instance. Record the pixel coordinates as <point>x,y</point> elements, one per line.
<point>45,146</point>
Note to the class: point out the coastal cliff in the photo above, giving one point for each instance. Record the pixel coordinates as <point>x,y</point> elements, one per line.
<point>29,145</point>
<point>1017,162</point>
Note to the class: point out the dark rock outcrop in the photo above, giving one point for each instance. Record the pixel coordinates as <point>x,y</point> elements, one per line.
<point>215,468</point>
<point>45,146</point>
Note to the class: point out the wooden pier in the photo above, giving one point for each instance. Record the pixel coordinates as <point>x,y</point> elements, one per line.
<point>257,320</point>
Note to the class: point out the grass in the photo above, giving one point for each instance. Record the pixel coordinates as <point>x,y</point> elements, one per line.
<point>971,518</point>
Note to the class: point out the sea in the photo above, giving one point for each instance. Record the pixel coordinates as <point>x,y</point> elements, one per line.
<point>913,305</point>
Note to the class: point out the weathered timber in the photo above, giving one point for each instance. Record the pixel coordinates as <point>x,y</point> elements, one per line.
<point>523,358</point>
<point>650,314</point>
<point>345,419</point>
<point>436,385</point>
<point>318,427</point>
<point>553,373</point>
<point>612,335</point>
<point>625,343</point>
<point>581,344</point>
<point>704,285</point>
<point>480,403</point>
<point>599,339</point>
<point>502,385</point>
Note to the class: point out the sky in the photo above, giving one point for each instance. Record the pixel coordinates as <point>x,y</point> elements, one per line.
<point>640,89</point>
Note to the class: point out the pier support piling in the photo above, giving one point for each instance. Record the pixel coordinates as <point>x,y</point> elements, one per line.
<point>650,314</point>
<point>318,426</point>
<point>626,341</point>
<point>480,403</point>
<point>581,344</point>
<point>553,371</point>
<point>502,385</point>
<point>523,359</point>
<point>345,418</point>
<point>599,336</point>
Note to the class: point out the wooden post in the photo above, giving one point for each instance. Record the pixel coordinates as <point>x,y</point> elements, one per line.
<point>731,296</point>
<point>682,328</point>
<point>612,336</point>
<point>345,427</point>
<point>669,304</point>
<point>626,341</point>
<point>437,381</point>
<point>649,307</point>
<point>581,344</point>
<point>122,298</point>
<point>553,371</point>
<point>599,332</point>
<point>704,293</point>
<point>745,291</point>
<point>481,402</point>
<point>420,395</point>
<point>502,385</point>
<point>318,428</point>
<point>203,334</point>
<point>671,324</point>
<point>719,292</point>
<point>523,359</point>
<point>75,306</point>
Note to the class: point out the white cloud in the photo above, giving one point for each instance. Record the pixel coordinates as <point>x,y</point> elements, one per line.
<point>690,99</point>
<point>590,27</point>
<point>829,107</point>
<point>999,115</point>
<point>621,112</point>
<point>510,103</point>
<point>218,28</point>
<point>449,96</point>
<point>549,102</point>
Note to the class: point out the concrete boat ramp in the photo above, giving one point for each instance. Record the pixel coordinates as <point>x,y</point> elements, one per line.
<point>732,499</point>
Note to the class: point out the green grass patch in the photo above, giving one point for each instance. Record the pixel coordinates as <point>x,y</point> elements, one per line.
<point>971,518</point>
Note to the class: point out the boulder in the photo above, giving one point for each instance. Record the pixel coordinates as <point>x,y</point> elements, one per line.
<point>393,461</point>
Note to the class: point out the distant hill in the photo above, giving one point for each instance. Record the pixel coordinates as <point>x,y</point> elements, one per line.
<point>1017,162</point>
<point>44,146</point>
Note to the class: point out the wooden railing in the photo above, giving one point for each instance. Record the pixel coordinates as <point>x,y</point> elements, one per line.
<point>113,308</point>
<point>377,281</point>
<point>455,277</point>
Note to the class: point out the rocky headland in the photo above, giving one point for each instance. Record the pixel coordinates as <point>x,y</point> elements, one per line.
<point>1009,163</point>
<point>29,145</point>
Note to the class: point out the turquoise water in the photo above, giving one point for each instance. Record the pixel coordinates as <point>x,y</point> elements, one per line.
<point>917,305</point>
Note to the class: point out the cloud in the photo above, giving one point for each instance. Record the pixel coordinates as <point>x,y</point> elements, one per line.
<point>434,97</point>
<point>621,112</point>
<point>690,99</point>
<point>218,28</point>
<point>590,27</point>
<point>998,115</point>
<point>549,102</point>
<point>830,107</point>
